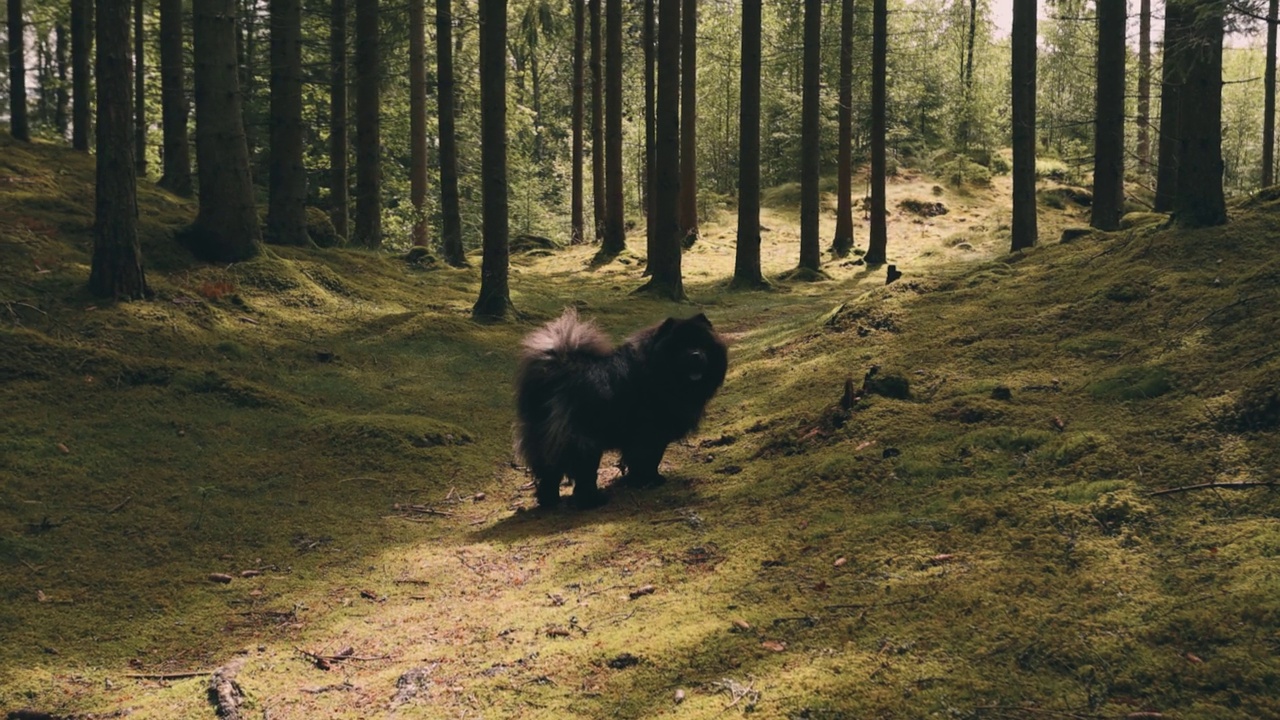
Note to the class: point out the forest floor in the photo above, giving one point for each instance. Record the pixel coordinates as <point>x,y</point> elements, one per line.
<point>301,466</point>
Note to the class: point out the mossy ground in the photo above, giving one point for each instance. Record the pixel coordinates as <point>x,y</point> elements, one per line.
<point>985,547</point>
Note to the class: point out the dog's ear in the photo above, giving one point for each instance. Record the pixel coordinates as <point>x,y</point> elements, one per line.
<point>701,318</point>
<point>665,328</point>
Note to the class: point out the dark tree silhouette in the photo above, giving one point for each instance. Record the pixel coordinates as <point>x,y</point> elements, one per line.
<point>746,265</point>
<point>1108,148</point>
<point>597,121</point>
<point>117,257</point>
<point>689,121</point>
<point>1144,87</point>
<point>18,74</point>
<point>418,119</point>
<point>61,96</point>
<point>338,176</point>
<point>140,88</point>
<point>647,38</point>
<point>450,215</point>
<point>842,243</point>
<point>1269,99</point>
<point>287,201</point>
<point>1199,200</point>
<point>226,227</point>
<point>81,42</point>
<point>615,234</point>
<point>1023,41</point>
<point>577,222</point>
<point>494,297</point>
<point>810,121</point>
<point>1172,78</point>
<point>877,246</point>
<point>665,279</point>
<point>368,218</point>
<point>176,176</point>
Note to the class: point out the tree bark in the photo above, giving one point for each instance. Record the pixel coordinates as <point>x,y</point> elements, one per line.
<point>140,88</point>
<point>61,96</point>
<point>81,47</point>
<point>1023,41</point>
<point>615,233</point>
<point>338,109</point>
<point>173,101</point>
<point>494,297</point>
<point>689,121</point>
<point>746,266</point>
<point>1172,78</point>
<point>18,74</point>
<point>878,244</point>
<point>117,256</point>
<point>1269,100</point>
<point>368,219</point>
<point>1108,148</point>
<point>418,119</point>
<point>810,254</point>
<point>226,227</point>
<point>1144,88</point>
<point>1199,200</point>
<point>665,279</point>
<point>450,215</point>
<point>842,243</point>
<point>577,230</point>
<point>287,200</point>
<point>597,121</point>
<point>648,32</point>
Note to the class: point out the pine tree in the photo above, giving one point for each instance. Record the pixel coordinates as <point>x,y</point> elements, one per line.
<point>450,215</point>
<point>495,297</point>
<point>368,218</point>
<point>1269,99</point>
<point>418,119</point>
<point>577,232</point>
<point>689,121</point>
<point>1023,41</point>
<point>287,198</point>
<point>664,255</point>
<point>877,247</point>
<point>338,109</point>
<point>1108,154</point>
<point>842,243</point>
<point>746,267</point>
<point>81,47</point>
<point>140,88</point>
<point>615,234</point>
<point>18,74</point>
<point>810,255</point>
<point>173,101</point>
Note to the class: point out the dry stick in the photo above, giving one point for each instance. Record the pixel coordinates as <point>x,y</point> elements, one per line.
<point>169,675</point>
<point>119,505</point>
<point>410,581</point>
<point>340,658</point>
<point>1220,485</point>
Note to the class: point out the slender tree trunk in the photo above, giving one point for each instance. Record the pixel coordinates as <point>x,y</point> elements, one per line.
<point>287,201</point>
<point>597,121</point>
<point>689,121</point>
<point>173,101</point>
<point>368,220</point>
<point>648,38</point>
<point>1144,88</point>
<point>418,119</point>
<point>1199,200</point>
<point>1023,41</point>
<point>810,122</point>
<point>81,42</point>
<point>1172,78</point>
<point>664,255</point>
<point>1108,153</point>
<point>117,257</point>
<point>494,297</point>
<point>1269,100</point>
<point>60,103</point>
<point>842,243</point>
<point>17,74</point>
<point>226,228</point>
<point>249,73</point>
<point>746,266</point>
<point>450,215</point>
<point>878,244</point>
<point>577,222</point>
<point>139,88</point>
<point>338,175</point>
<point>615,234</point>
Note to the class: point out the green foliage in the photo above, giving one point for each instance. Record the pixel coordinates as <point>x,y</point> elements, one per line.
<point>1136,382</point>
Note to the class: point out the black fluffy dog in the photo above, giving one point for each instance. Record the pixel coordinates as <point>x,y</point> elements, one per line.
<point>578,396</point>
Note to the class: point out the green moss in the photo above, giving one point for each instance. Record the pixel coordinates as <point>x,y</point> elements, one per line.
<point>1132,383</point>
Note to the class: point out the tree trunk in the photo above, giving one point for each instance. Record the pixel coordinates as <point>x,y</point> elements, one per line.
<point>248,72</point>
<point>664,255</point>
<point>18,74</point>
<point>173,101</point>
<point>140,88</point>
<point>1199,200</point>
<point>1108,148</point>
<point>746,266</point>
<point>1144,88</point>
<point>647,38</point>
<point>597,121</point>
<point>615,234</point>
<point>287,200</point>
<point>1269,100</point>
<point>842,243</point>
<point>338,175</point>
<point>418,119</point>
<point>1172,78</point>
<point>689,121</point>
<point>450,215</point>
<point>81,46</point>
<point>877,248</point>
<point>117,257</point>
<point>810,122</point>
<point>494,297</point>
<point>1023,41</point>
<point>368,220</point>
<point>60,102</point>
<point>226,228</point>
<point>577,230</point>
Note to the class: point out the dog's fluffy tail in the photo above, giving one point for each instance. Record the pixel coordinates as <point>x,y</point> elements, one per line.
<point>565,336</point>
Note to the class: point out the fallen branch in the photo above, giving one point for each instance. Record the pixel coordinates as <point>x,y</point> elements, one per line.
<point>340,657</point>
<point>119,505</point>
<point>1221,485</point>
<point>181,675</point>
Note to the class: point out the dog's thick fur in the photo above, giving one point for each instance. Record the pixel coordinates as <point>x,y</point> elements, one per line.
<point>578,396</point>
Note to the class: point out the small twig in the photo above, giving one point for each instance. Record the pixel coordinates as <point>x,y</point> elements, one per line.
<point>410,581</point>
<point>169,675</point>
<point>339,658</point>
<point>33,568</point>
<point>119,505</point>
<point>1219,485</point>
<point>469,566</point>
